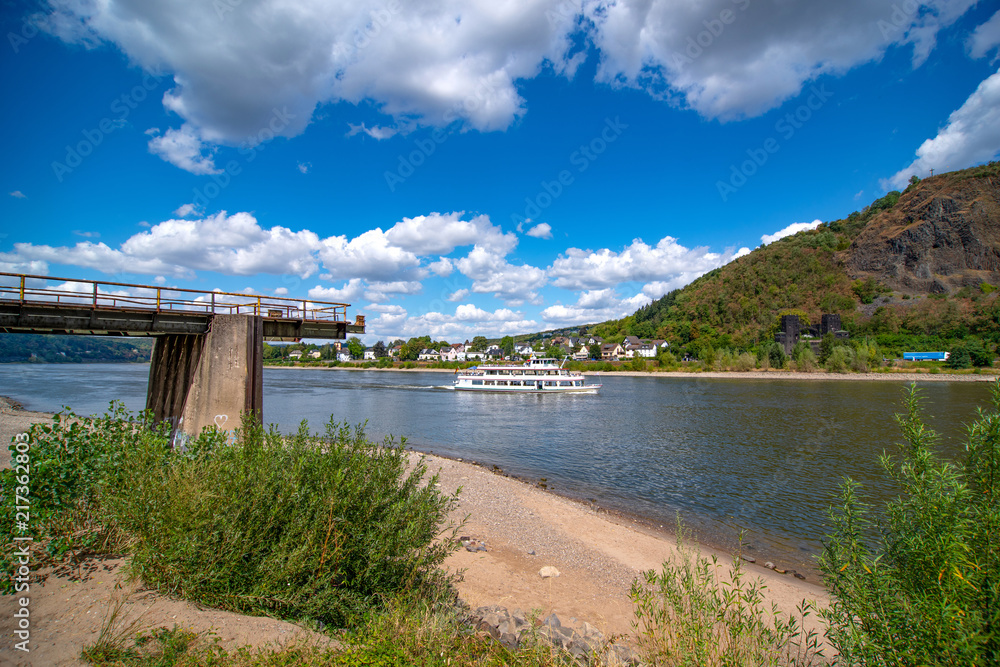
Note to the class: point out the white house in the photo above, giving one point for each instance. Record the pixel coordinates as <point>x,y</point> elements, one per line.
<point>370,354</point>
<point>344,355</point>
<point>295,354</point>
<point>428,354</point>
<point>582,354</point>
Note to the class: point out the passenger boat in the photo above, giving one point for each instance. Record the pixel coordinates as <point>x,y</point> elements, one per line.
<point>539,376</point>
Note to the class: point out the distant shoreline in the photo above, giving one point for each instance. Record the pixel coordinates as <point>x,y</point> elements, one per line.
<point>750,375</point>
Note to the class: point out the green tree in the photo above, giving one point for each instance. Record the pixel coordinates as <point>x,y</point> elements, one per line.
<point>959,357</point>
<point>980,355</point>
<point>507,345</point>
<point>918,582</point>
<point>826,346</point>
<point>478,344</point>
<point>776,356</point>
<point>594,351</point>
<point>379,349</point>
<point>355,347</point>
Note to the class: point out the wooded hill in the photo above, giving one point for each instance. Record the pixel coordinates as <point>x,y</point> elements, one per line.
<point>914,270</point>
<point>39,348</point>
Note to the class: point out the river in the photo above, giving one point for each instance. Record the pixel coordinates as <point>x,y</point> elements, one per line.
<point>761,454</point>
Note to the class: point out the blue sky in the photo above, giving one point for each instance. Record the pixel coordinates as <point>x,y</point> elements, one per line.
<point>464,168</point>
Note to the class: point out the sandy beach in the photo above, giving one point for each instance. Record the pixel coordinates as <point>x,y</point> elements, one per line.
<point>524,529</point>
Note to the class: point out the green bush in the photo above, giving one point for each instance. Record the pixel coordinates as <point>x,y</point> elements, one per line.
<point>919,584</point>
<point>304,527</point>
<point>326,528</point>
<point>959,357</point>
<point>73,462</point>
<point>776,356</point>
<point>841,359</point>
<point>689,614</point>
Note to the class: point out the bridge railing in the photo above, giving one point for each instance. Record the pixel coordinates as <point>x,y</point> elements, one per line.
<point>27,289</point>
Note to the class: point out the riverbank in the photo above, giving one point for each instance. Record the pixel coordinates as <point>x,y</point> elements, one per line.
<point>887,376</point>
<point>523,528</point>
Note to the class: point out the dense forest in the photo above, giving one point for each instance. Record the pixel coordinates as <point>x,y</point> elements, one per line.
<point>37,348</point>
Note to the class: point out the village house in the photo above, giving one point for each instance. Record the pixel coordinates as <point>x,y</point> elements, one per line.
<point>428,354</point>
<point>370,354</point>
<point>611,352</point>
<point>455,352</point>
<point>344,355</point>
<point>295,354</point>
<point>315,354</point>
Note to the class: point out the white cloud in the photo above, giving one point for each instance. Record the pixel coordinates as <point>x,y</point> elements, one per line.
<point>350,292</point>
<point>237,66</point>
<point>87,235</point>
<point>985,38</point>
<point>185,210</point>
<point>280,291</point>
<point>442,267</point>
<point>369,256</point>
<point>234,63</point>
<point>183,148</point>
<point>375,132</point>
<point>439,234</point>
<point>491,273</point>
<point>382,291</point>
<point>594,306</point>
<point>667,260</point>
<point>736,58</point>
<point>467,321</point>
<point>232,245</point>
<point>971,136</point>
<point>18,194</point>
<point>793,228</point>
<point>458,295</point>
<point>542,230</point>
<point>304,167</point>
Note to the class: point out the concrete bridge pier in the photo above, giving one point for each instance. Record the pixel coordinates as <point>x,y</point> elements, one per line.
<point>198,380</point>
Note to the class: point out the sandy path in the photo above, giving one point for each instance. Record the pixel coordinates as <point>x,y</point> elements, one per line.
<point>597,555</point>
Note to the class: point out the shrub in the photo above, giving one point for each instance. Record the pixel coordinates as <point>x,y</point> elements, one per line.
<point>745,362</point>
<point>840,359</point>
<point>687,614</point>
<point>921,586</point>
<point>327,528</point>
<point>959,357</point>
<point>776,356</point>
<point>805,358</point>
<point>305,527</point>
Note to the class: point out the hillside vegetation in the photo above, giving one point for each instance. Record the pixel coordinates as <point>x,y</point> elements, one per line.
<point>820,271</point>
<point>39,348</point>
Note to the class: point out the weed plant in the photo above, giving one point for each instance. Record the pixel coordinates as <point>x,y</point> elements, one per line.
<point>919,583</point>
<point>690,614</point>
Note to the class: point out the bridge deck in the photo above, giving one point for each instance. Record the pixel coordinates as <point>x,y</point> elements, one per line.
<point>31,304</point>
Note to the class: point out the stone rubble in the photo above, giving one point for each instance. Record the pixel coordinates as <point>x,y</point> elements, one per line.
<point>513,630</point>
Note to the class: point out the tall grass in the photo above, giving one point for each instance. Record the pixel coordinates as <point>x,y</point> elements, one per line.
<point>691,612</point>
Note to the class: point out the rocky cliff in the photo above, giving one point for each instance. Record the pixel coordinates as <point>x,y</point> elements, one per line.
<point>943,234</point>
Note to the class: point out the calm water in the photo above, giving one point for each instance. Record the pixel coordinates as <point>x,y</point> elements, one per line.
<point>766,455</point>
